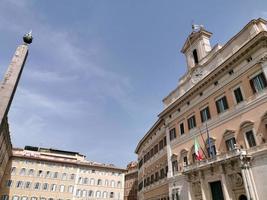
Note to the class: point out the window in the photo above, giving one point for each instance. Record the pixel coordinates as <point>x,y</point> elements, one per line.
<point>9,183</point>
<point>40,173</point>
<point>45,186</point>
<point>84,193</point>
<point>98,194</point>
<point>195,56</point>
<point>205,114</point>
<point>185,161</point>
<point>250,139</point>
<point>13,170</point>
<point>191,122</point>
<point>99,182</point>
<point>230,144</point>
<point>106,182</point>
<point>85,181</point>
<point>119,184</point>
<point>90,193</point>
<point>258,83</point>
<point>181,128</point>
<point>15,198</point>
<point>53,187</point>
<point>70,189</point>
<point>105,195</point>
<point>19,184</point>
<point>112,183</point>
<point>238,95</point>
<point>62,188</point>
<point>4,197</point>
<point>156,149</point>
<point>72,176</point>
<point>164,141</point>
<point>37,186</point>
<point>174,166</point>
<point>172,134</point>
<point>27,185</point>
<point>48,174</point>
<point>22,172</point>
<point>162,173</point>
<point>31,172</point>
<point>156,176</point>
<point>64,176</point>
<point>211,149</point>
<point>78,193</point>
<point>34,198</point>
<point>55,175</point>
<point>80,180</point>
<point>221,105</point>
<point>161,144</point>
<point>25,198</point>
<point>111,195</point>
<point>92,181</point>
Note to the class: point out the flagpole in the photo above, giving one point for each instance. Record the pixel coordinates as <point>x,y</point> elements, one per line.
<point>203,142</point>
<point>208,137</point>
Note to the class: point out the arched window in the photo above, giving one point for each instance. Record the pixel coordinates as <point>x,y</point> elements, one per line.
<point>90,193</point>
<point>111,195</point>
<point>112,183</point>
<point>106,182</point>
<point>105,195</point>
<point>184,157</point>
<point>92,181</point>
<point>99,182</point>
<point>98,194</point>
<point>64,176</point>
<point>31,172</point>
<point>195,56</point>
<point>13,170</point>
<point>22,172</point>
<point>118,184</point>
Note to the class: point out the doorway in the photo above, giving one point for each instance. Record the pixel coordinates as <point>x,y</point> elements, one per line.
<point>216,190</point>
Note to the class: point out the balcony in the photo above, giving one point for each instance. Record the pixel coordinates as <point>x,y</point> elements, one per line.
<point>217,159</point>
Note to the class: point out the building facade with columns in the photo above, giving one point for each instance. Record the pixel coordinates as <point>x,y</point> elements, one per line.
<point>220,104</point>
<point>35,173</point>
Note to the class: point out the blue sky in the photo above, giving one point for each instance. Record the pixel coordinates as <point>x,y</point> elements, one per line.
<point>98,69</point>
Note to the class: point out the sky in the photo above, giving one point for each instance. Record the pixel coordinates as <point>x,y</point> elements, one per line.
<point>97,70</point>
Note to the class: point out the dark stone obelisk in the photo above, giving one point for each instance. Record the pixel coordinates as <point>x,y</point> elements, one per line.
<point>11,79</point>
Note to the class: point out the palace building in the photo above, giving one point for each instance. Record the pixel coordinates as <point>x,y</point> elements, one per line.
<point>35,173</point>
<point>218,109</point>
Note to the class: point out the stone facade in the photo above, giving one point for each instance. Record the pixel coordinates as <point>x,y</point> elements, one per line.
<point>47,174</point>
<point>221,103</point>
<point>131,182</point>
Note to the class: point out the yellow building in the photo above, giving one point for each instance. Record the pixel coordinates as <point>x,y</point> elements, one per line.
<point>48,174</point>
<point>220,104</point>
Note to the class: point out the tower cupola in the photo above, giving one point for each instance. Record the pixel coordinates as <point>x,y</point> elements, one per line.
<point>197,46</point>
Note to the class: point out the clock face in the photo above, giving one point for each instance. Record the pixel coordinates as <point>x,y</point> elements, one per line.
<point>197,75</point>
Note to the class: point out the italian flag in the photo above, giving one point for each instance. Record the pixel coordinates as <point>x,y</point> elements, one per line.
<point>198,153</point>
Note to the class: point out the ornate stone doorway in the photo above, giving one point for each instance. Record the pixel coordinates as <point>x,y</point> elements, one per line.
<point>216,190</point>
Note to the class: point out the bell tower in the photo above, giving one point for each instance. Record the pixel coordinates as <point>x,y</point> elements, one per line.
<point>197,46</point>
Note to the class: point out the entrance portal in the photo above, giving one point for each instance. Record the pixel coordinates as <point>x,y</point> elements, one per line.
<point>216,190</point>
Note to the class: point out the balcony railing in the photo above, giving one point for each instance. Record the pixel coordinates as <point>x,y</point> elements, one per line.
<point>215,159</point>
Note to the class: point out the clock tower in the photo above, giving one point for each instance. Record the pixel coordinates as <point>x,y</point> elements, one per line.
<point>196,46</point>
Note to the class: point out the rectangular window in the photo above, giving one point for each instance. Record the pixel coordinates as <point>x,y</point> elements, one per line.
<point>172,134</point>
<point>164,141</point>
<point>181,128</point>
<point>185,161</point>
<point>205,114</point>
<point>238,95</point>
<point>230,144</point>
<point>156,149</point>
<point>221,105</point>
<point>27,185</point>
<point>174,166</point>
<point>250,139</point>
<point>191,122</point>
<point>258,83</point>
<point>8,183</point>
<point>161,144</point>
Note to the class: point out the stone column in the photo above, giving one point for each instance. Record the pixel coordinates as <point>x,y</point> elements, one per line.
<point>204,187</point>
<point>169,152</point>
<point>227,191</point>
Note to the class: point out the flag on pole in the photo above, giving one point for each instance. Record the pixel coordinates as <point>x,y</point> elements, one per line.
<point>198,153</point>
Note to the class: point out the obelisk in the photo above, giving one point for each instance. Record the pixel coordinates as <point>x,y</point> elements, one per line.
<point>11,79</point>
